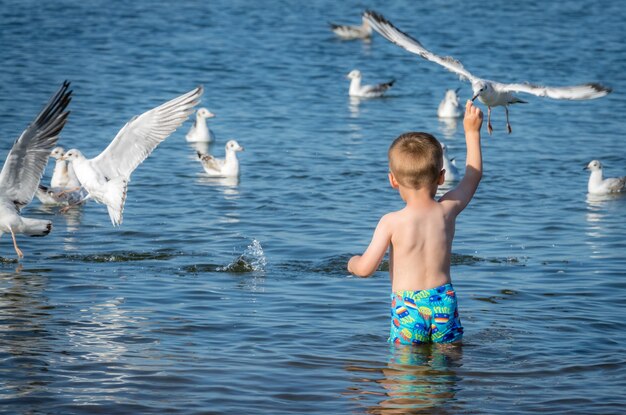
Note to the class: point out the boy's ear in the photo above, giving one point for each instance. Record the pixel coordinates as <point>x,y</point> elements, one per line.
<point>392,181</point>
<point>442,177</point>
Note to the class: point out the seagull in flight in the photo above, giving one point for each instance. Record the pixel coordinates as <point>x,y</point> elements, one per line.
<point>25,165</point>
<point>106,176</point>
<point>490,93</point>
<point>366,91</point>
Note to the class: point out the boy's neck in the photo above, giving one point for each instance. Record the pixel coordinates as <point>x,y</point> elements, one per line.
<point>417,197</point>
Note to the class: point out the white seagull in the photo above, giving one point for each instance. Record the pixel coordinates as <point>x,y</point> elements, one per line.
<point>64,189</point>
<point>63,175</point>
<point>227,167</point>
<point>599,186</point>
<point>366,91</point>
<point>452,172</point>
<point>490,93</point>
<point>352,32</point>
<point>106,176</point>
<point>25,165</point>
<point>449,107</point>
<point>199,131</point>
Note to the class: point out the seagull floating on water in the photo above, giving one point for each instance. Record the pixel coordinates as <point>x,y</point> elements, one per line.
<point>199,131</point>
<point>599,186</point>
<point>63,175</point>
<point>227,167</point>
<point>106,176</point>
<point>366,91</point>
<point>352,32</point>
<point>449,107</point>
<point>490,93</point>
<point>25,165</point>
<point>63,184</point>
<point>452,172</point>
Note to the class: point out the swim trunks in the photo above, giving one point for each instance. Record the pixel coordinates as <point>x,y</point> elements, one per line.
<point>426,316</point>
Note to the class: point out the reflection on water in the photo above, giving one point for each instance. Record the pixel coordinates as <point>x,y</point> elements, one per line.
<point>448,126</point>
<point>202,148</point>
<point>101,332</point>
<point>228,185</point>
<point>353,105</point>
<point>25,314</point>
<point>416,380</point>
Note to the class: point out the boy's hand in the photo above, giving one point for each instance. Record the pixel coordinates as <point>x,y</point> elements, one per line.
<point>473,118</point>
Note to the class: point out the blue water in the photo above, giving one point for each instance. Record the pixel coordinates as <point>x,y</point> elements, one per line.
<point>217,297</point>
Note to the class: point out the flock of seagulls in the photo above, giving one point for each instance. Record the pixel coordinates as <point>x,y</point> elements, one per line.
<point>491,93</point>
<point>105,177</point>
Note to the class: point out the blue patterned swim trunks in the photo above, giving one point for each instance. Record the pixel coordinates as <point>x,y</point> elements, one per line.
<point>426,316</point>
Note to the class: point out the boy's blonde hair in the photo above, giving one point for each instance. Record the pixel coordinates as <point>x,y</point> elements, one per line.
<point>416,159</point>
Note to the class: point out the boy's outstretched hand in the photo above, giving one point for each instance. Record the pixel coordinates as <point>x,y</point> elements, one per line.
<point>473,118</point>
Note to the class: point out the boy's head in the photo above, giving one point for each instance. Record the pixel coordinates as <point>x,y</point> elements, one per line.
<point>416,160</point>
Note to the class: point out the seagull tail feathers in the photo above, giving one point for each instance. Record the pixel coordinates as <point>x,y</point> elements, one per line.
<point>115,198</point>
<point>36,227</point>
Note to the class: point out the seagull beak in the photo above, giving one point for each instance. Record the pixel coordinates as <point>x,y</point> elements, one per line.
<point>586,168</point>
<point>475,96</point>
<point>62,158</point>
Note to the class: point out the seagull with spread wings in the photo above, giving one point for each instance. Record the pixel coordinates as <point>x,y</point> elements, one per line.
<point>490,93</point>
<point>106,176</point>
<point>25,165</point>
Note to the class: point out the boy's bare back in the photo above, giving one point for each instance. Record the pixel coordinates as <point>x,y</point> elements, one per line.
<point>419,237</point>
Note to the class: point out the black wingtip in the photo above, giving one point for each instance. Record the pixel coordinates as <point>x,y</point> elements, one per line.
<point>600,88</point>
<point>374,16</point>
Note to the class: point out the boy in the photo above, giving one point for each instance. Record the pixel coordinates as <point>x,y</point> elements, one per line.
<point>419,237</point>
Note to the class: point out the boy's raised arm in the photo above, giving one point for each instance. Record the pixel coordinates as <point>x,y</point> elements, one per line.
<point>461,195</point>
<point>365,265</point>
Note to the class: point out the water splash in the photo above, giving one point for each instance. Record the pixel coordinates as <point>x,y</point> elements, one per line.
<point>251,260</point>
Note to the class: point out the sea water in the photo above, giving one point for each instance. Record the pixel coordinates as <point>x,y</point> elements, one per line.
<point>231,296</point>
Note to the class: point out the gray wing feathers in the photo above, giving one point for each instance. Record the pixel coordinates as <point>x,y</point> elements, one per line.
<point>142,134</point>
<point>29,155</point>
<point>395,35</point>
<point>616,184</point>
<point>210,162</point>
<point>576,92</point>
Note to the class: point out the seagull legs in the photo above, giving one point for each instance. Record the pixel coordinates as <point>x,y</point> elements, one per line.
<point>489,128</point>
<point>508,125</point>
<point>18,251</point>
<point>63,192</point>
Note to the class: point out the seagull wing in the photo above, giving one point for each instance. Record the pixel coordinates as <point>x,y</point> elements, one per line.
<point>29,155</point>
<point>395,35</point>
<point>616,184</point>
<point>140,136</point>
<point>211,162</point>
<point>576,92</point>
<point>378,89</point>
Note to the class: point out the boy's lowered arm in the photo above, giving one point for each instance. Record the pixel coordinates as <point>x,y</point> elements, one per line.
<point>366,264</point>
<point>461,195</point>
